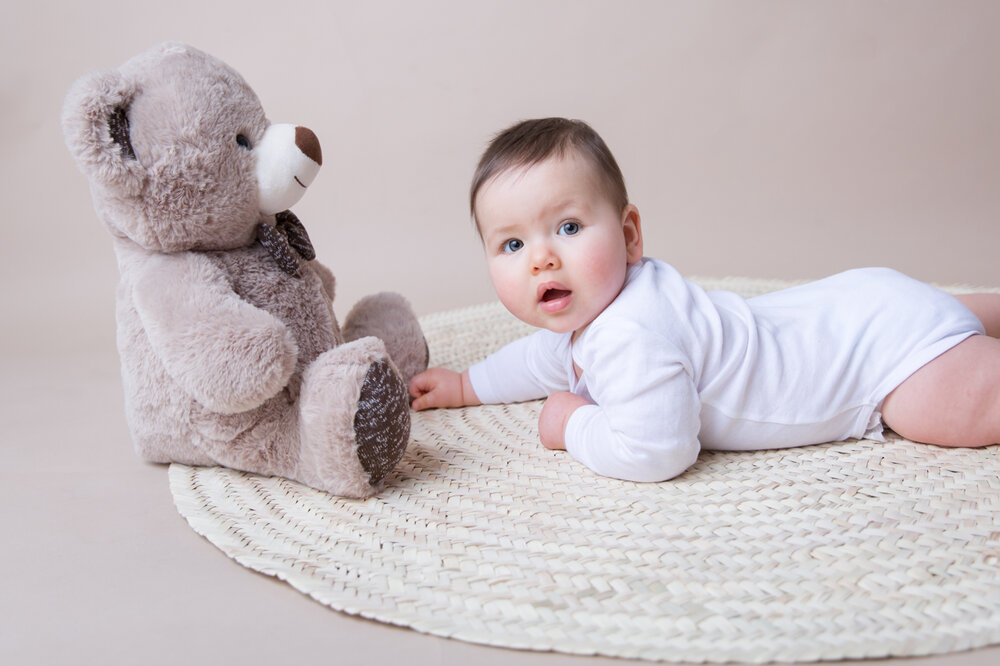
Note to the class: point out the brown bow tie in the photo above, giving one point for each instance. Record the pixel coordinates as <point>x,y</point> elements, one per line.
<point>284,240</point>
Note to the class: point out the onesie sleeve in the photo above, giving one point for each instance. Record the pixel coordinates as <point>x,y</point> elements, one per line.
<point>644,425</point>
<point>526,369</point>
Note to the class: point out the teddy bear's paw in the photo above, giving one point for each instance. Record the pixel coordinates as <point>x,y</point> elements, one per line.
<point>389,317</point>
<point>382,422</point>
<point>355,420</point>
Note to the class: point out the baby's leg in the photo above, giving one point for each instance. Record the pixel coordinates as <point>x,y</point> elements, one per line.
<point>987,308</point>
<point>952,401</point>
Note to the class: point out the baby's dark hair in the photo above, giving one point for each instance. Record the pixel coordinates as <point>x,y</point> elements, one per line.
<point>532,141</point>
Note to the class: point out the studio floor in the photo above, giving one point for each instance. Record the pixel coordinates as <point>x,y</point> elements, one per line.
<point>100,568</point>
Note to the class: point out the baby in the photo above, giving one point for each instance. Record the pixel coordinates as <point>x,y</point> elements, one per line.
<point>643,368</point>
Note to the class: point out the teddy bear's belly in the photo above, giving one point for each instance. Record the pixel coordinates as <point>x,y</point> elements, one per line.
<point>299,302</point>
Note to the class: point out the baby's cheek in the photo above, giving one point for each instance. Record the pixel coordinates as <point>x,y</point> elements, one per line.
<point>608,275</point>
<point>507,290</point>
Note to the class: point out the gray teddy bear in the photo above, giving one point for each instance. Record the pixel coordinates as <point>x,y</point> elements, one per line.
<point>231,353</point>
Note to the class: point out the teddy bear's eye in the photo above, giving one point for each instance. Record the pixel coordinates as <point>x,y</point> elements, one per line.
<point>243,142</point>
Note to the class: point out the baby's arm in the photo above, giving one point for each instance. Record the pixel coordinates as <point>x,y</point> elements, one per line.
<point>439,387</point>
<point>526,369</point>
<point>645,423</point>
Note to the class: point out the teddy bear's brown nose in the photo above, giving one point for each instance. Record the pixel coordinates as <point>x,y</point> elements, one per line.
<point>308,143</point>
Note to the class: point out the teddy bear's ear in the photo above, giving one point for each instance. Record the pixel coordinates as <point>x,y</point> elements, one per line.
<point>95,124</point>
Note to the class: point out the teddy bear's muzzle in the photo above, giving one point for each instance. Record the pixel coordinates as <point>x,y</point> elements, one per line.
<point>288,159</point>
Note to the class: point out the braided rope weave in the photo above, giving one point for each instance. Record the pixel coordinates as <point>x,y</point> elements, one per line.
<point>836,551</point>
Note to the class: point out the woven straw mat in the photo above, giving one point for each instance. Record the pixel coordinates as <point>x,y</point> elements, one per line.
<point>849,550</point>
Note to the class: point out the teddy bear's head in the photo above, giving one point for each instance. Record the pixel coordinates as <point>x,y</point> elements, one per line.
<point>179,153</point>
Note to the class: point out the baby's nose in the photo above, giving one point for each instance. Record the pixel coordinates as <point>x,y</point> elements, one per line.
<point>544,258</point>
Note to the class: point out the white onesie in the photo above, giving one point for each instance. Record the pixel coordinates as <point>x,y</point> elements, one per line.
<point>671,368</point>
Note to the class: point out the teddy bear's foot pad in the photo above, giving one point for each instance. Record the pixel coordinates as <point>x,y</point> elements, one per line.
<point>382,422</point>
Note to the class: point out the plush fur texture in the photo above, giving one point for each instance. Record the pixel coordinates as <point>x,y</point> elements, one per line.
<point>228,356</point>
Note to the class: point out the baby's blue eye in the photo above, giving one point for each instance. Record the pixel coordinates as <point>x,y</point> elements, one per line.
<point>511,246</point>
<point>569,228</point>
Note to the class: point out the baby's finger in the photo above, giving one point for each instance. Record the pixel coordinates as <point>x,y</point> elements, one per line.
<point>419,385</point>
<point>421,402</point>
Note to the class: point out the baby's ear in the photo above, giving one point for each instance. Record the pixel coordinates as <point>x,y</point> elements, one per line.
<point>95,123</point>
<point>632,227</point>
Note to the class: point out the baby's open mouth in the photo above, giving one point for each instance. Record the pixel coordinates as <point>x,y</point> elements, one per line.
<point>553,294</point>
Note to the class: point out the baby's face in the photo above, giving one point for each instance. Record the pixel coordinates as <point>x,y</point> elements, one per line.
<point>556,247</point>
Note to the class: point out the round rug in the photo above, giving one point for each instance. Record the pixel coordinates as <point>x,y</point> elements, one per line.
<point>840,551</point>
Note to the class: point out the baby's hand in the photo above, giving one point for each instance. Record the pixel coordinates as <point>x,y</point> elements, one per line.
<point>554,417</point>
<point>438,387</point>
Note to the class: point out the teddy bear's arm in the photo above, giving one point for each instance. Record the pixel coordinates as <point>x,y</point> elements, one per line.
<point>227,354</point>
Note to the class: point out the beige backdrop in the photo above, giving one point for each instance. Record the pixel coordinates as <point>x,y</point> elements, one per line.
<point>771,139</point>
<point>783,139</point>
